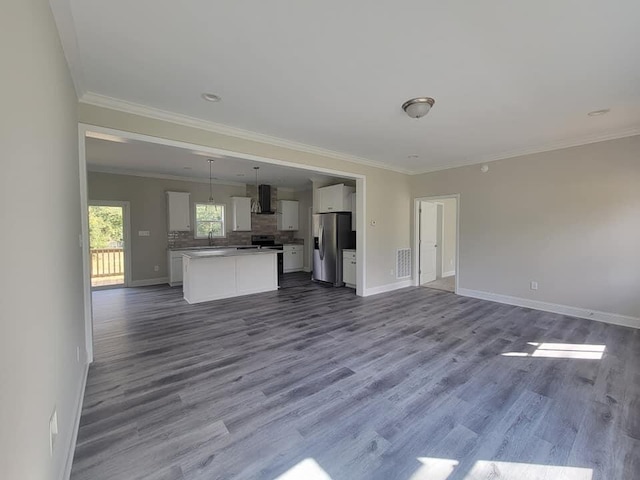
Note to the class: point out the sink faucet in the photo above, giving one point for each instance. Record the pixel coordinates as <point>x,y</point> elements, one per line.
<point>210,237</point>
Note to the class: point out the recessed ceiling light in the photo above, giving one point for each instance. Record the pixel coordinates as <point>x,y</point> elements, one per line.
<point>413,155</point>
<point>597,113</point>
<point>211,97</point>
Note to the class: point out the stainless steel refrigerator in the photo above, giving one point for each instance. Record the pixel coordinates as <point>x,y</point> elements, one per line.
<point>331,234</point>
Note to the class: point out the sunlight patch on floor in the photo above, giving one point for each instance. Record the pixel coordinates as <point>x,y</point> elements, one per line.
<point>307,469</point>
<point>562,350</point>
<point>524,471</point>
<point>442,468</point>
<point>434,469</point>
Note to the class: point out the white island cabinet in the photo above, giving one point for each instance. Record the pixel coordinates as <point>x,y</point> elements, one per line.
<point>211,275</point>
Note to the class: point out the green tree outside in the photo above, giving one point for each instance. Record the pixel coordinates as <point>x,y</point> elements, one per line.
<point>105,227</point>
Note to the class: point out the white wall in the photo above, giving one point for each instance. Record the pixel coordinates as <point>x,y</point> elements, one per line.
<point>568,219</point>
<point>42,305</point>
<point>448,235</point>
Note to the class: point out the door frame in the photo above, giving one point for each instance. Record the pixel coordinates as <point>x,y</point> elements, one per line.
<point>438,245</point>
<point>416,236</point>
<point>126,235</point>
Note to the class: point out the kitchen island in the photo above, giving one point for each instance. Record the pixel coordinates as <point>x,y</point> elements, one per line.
<point>215,274</point>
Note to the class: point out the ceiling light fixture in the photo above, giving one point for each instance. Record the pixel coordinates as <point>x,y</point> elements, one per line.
<point>211,160</point>
<point>413,156</point>
<point>418,107</point>
<point>255,202</point>
<point>211,97</point>
<point>597,113</point>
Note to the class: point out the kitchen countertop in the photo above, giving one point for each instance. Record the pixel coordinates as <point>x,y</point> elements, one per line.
<point>215,247</point>
<point>230,253</point>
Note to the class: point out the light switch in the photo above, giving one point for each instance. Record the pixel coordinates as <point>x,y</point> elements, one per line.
<point>143,233</point>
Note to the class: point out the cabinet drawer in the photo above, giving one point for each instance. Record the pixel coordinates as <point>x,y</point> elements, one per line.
<point>349,256</point>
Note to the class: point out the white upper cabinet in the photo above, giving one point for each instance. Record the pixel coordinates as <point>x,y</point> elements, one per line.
<point>241,214</point>
<point>287,215</point>
<point>178,211</point>
<point>335,198</point>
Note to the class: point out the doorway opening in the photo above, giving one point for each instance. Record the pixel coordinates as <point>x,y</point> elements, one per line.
<point>108,244</point>
<point>437,242</point>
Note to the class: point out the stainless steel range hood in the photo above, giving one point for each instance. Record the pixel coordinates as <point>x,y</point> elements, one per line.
<point>264,195</point>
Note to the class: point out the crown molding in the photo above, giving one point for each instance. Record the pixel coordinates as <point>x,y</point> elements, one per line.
<point>575,142</point>
<point>63,17</point>
<point>103,101</point>
<point>163,115</point>
<point>138,173</point>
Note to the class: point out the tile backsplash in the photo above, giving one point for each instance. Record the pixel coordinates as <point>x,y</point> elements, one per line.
<point>260,225</point>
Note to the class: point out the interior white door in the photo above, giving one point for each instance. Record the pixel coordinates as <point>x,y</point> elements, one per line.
<point>428,241</point>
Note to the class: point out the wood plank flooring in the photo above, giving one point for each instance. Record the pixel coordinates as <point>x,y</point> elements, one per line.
<point>407,385</point>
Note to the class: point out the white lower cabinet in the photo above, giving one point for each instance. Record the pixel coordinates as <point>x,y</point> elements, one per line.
<point>349,268</point>
<point>293,258</point>
<point>174,262</point>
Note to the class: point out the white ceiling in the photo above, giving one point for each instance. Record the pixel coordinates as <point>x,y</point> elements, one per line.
<point>508,77</point>
<point>134,157</point>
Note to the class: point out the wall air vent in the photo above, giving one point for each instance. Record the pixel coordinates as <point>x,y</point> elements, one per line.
<point>403,263</point>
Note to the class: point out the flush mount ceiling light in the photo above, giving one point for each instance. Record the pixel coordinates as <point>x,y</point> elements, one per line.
<point>413,156</point>
<point>597,113</point>
<point>418,107</point>
<point>211,97</point>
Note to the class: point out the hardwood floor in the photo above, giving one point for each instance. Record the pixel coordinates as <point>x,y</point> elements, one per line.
<point>412,384</point>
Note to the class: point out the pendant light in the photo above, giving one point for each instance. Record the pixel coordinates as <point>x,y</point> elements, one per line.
<point>255,202</point>
<point>210,181</point>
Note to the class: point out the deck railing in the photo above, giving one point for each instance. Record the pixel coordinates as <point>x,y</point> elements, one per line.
<point>107,262</point>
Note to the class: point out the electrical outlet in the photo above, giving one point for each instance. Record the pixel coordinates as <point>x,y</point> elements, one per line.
<point>534,285</point>
<point>53,431</point>
<point>156,268</point>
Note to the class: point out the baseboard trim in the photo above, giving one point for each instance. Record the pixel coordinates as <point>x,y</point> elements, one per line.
<point>148,282</point>
<point>605,317</point>
<point>390,287</point>
<point>450,273</point>
<point>66,473</point>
